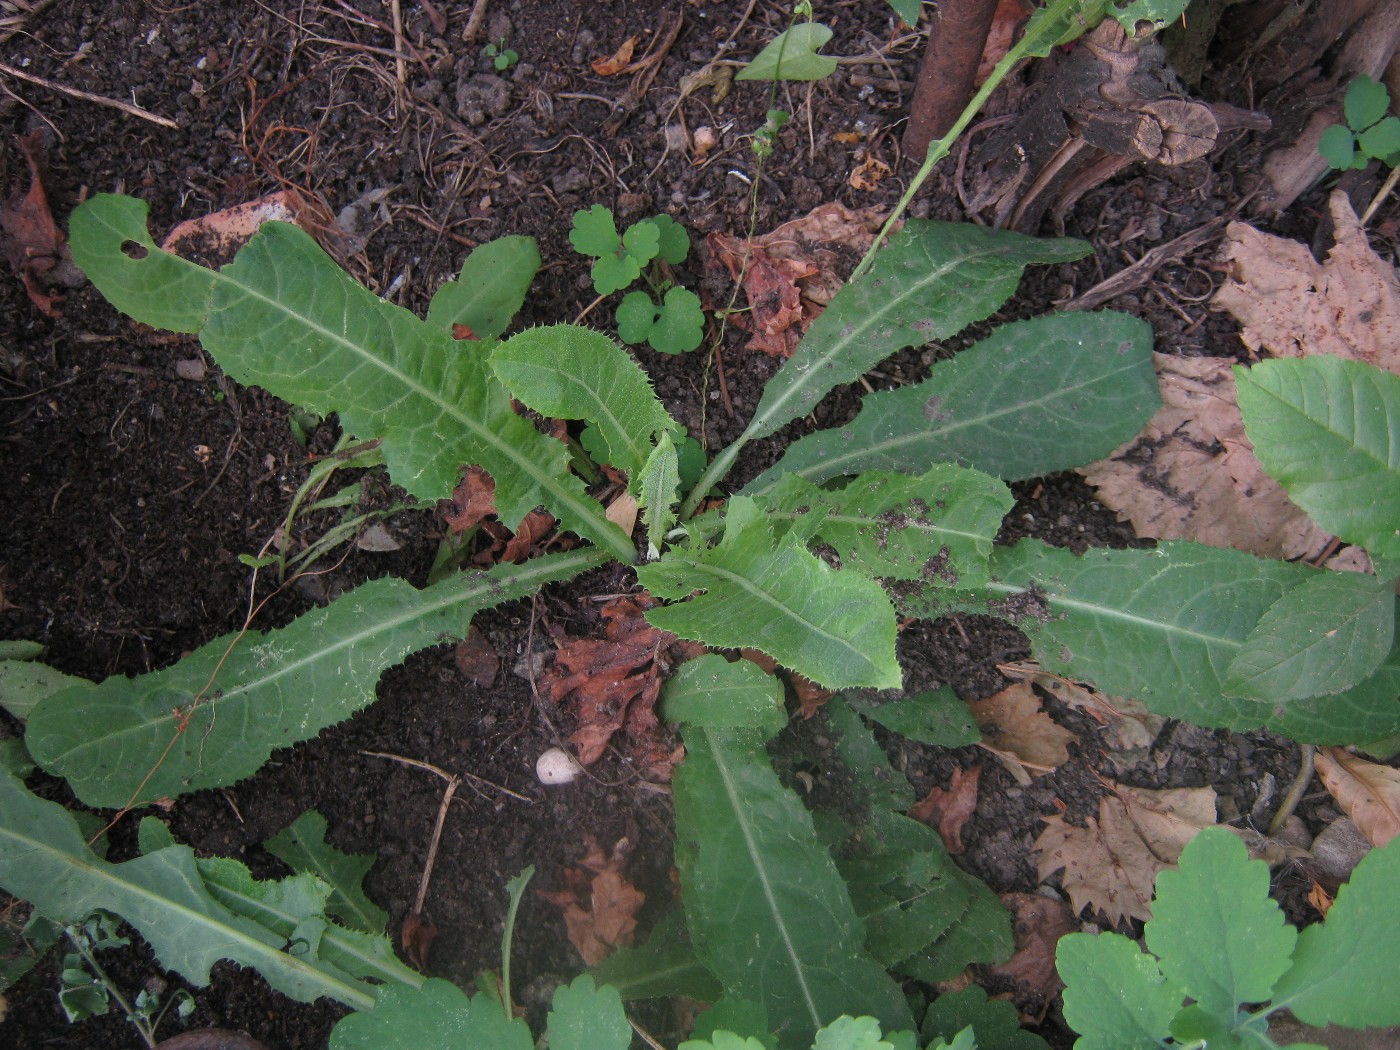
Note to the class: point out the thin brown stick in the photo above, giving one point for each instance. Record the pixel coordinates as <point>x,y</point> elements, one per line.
<point>446,775</point>
<point>433,844</point>
<point>474,21</point>
<point>88,96</point>
<point>400,68</point>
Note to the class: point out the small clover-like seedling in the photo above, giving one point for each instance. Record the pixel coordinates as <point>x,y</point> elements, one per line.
<point>619,259</point>
<point>501,56</point>
<point>673,327</point>
<point>1369,133</point>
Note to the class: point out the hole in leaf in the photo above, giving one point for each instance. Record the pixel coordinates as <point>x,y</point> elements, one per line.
<point>134,250</point>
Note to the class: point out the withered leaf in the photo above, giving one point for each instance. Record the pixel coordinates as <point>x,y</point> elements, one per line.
<point>30,239</point>
<point>473,499</point>
<point>1039,923</point>
<point>617,62</point>
<point>948,809</point>
<point>1013,722</point>
<point>600,906</point>
<point>1369,793</point>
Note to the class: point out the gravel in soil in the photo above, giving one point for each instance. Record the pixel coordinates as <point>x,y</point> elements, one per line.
<point>130,492</point>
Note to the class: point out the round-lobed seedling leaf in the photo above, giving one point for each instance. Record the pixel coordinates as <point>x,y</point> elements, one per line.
<point>1366,102</point>
<point>594,232</point>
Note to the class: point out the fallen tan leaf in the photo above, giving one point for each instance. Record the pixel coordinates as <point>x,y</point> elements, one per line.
<point>29,237</point>
<point>1129,728</point>
<point>622,512</point>
<point>869,173</point>
<point>476,659</point>
<point>1367,792</point>
<point>1010,15</point>
<point>416,936</point>
<point>1320,899</point>
<point>1192,474</point>
<point>1292,305</point>
<point>1038,923</point>
<point>600,906</point>
<point>1013,721</point>
<point>473,500</point>
<point>617,62</point>
<point>1111,865</point>
<point>948,809</point>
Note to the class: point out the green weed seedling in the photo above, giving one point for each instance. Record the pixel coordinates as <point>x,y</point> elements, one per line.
<point>1370,132</point>
<point>669,317</point>
<point>502,57</point>
<point>1221,960</point>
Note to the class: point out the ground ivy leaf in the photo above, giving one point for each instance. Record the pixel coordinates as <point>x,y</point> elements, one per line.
<point>438,1015</point>
<point>768,911</point>
<point>834,626</point>
<point>1323,637</point>
<point>1115,996</point>
<point>302,846</point>
<point>585,1017</point>
<point>1346,970</point>
<point>1216,932</point>
<point>1328,430</point>
<point>792,55</point>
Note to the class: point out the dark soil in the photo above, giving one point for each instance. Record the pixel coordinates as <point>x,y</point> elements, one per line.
<point>130,492</point>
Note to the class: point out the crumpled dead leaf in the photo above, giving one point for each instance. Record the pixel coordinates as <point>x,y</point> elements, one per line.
<point>600,905</point>
<point>30,239</point>
<point>1192,474</point>
<point>476,658</point>
<point>473,500</point>
<point>948,809</point>
<point>473,503</point>
<point>792,272</point>
<point>1111,865</point>
<point>416,937</point>
<point>868,174</point>
<point>614,682</point>
<point>1292,305</point>
<point>1128,728</point>
<point>1369,793</point>
<point>1010,15</point>
<point>1013,722</point>
<point>618,61</point>
<point>1038,923</point>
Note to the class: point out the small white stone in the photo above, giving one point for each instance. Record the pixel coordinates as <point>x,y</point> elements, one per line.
<point>557,766</point>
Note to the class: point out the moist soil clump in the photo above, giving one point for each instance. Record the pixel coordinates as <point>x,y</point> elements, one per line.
<point>135,476</point>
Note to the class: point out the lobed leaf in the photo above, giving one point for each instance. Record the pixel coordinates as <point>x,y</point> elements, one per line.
<point>1115,996</point>
<point>571,372</point>
<point>766,908</point>
<point>439,1014</point>
<point>1325,636</point>
<point>284,317</point>
<point>45,860</point>
<point>584,1016</point>
<point>1347,970</point>
<point>673,243</point>
<point>594,232</point>
<point>938,526</point>
<point>122,742</point>
<point>1217,934</point>
<point>1328,430</point>
<point>665,966</point>
<point>302,846</point>
<point>996,1022</point>
<point>1032,398</point>
<point>1365,103</point>
<point>490,290</point>
<point>834,626</point>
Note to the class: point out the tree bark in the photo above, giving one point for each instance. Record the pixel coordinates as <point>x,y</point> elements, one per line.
<point>957,35</point>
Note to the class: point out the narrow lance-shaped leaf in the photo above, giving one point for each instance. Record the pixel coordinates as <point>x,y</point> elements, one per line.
<point>45,860</point>
<point>834,626</point>
<point>657,486</point>
<point>284,317</point>
<point>938,526</point>
<point>1032,398</point>
<point>119,742</point>
<point>573,372</point>
<point>302,846</point>
<point>929,282</point>
<point>767,909</point>
<point>1328,430</point>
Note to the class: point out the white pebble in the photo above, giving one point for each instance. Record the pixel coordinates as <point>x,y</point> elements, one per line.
<point>557,766</point>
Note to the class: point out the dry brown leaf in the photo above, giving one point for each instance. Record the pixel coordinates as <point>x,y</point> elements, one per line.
<point>948,809</point>
<point>1007,20</point>
<point>1039,923</point>
<point>1112,864</point>
<point>1192,474</point>
<point>622,512</point>
<point>617,62</point>
<point>1013,722</point>
<point>1367,792</point>
<point>600,905</point>
<point>869,173</point>
<point>476,659</point>
<point>1320,899</point>
<point>1291,305</point>
<point>416,937</point>
<point>615,681</point>
<point>473,499</point>
<point>792,272</point>
<point>1129,728</point>
<point>29,237</point>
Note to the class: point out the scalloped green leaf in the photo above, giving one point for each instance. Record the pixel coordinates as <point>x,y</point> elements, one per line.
<point>673,243</point>
<point>1338,147</point>
<point>594,232</point>
<point>571,372</point>
<point>1328,431</point>
<point>284,317</point>
<point>303,847</point>
<point>766,908</point>
<point>1346,970</point>
<point>996,1022</point>
<point>792,55</point>
<point>438,1015</point>
<point>1325,636</point>
<point>118,742</point>
<point>584,1016</point>
<point>490,290</point>
<point>45,860</point>
<point>716,694</point>
<point>1217,934</point>
<point>1115,995</point>
<point>675,326</point>
<point>1365,103</point>
<point>937,526</point>
<point>1034,397</point>
<point>834,626</point>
